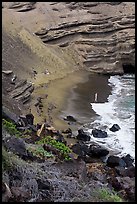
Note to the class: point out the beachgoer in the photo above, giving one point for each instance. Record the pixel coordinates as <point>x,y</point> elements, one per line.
<point>96,96</point>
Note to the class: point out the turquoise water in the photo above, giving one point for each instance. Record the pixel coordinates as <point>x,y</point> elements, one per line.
<point>119,109</point>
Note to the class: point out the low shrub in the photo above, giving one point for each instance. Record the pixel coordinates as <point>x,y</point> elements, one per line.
<point>40,152</point>
<point>11,128</point>
<point>58,145</point>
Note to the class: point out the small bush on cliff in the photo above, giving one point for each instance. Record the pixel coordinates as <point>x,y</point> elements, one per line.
<point>11,128</point>
<point>58,145</point>
<point>40,152</point>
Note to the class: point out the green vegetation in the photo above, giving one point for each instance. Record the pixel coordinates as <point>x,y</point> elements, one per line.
<point>40,152</point>
<point>11,128</point>
<point>108,196</point>
<point>64,150</point>
<point>6,162</point>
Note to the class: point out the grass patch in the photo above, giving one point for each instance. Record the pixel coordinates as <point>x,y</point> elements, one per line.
<point>64,150</point>
<point>106,195</point>
<point>11,128</point>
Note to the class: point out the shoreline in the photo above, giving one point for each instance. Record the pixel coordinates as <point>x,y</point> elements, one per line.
<point>71,95</point>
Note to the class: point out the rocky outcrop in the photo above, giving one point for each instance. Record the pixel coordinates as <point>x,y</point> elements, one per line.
<point>82,135</point>
<point>20,6</point>
<point>28,177</point>
<point>99,133</point>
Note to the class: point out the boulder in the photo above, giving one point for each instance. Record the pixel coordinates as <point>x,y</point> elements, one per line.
<point>128,160</point>
<point>30,118</point>
<point>99,133</point>
<point>10,116</point>
<point>121,171</point>
<point>80,149</point>
<point>16,145</point>
<point>70,118</point>
<point>98,151</point>
<point>82,135</point>
<point>115,128</point>
<point>113,161</point>
<point>90,159</point>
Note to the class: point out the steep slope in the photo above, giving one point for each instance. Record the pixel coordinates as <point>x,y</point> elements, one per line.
<point>43,41</point>
<point>27,62</point>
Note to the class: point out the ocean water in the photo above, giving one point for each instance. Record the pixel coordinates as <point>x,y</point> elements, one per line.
<point>119,109</point>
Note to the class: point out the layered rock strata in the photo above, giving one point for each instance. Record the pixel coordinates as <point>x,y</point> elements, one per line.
<point>103,32</point>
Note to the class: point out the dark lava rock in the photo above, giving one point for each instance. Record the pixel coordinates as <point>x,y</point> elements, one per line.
<point>99,133</point>
<point>115,128</point>
<point>70,118</point>
<point>130,171</point>
<point>80,149</point>
<point>10,116</point>
<point>30,118</point>
<point>16,145</point>
<point>113,161</point>
<point>128,160</point>
<point>98,151</point>
<point>82,135</point>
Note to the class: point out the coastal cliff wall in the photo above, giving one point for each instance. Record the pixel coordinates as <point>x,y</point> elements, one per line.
<point>103,33</point>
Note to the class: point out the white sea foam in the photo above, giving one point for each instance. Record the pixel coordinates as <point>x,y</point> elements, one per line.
<point>120,109</point>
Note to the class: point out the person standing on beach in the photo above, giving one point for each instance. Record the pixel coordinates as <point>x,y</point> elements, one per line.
<point>96,97</point>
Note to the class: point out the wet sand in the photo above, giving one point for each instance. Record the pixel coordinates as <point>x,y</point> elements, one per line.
<point>78,104</point>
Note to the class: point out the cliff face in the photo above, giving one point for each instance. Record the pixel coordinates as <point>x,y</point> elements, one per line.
<point>57,38</point>
<point>103,33</point>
